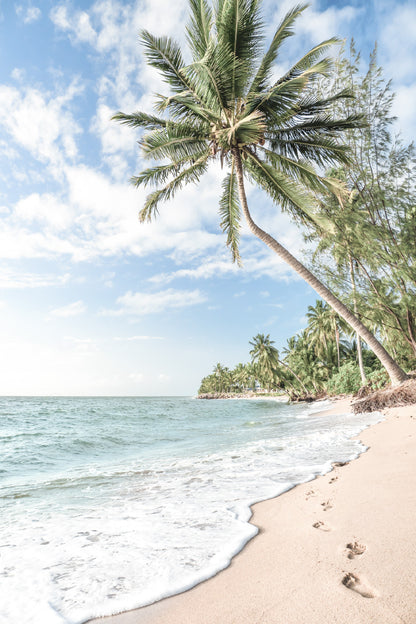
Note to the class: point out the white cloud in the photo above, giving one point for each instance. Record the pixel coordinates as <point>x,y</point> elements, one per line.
<point>326,24</point>
<point>28,14</point>
<point>41,122</point>
<point>77,24</point>
<point>44,209</point>
<point>315,24</point>
<point>21,279</point>
<point>141,303</point>
<point>134,338</point>
<point>399,25</point>
<point>258,261</point>
<point>406,114</point>
<point>82,346</point>
<point>18,74</point>
<point>72,309</point>
<point>136,377</point>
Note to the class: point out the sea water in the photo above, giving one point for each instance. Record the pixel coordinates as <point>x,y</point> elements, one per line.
<point>112,503</point>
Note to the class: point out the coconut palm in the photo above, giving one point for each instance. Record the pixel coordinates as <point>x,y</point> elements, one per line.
<point>227,105</point>
<point>266,356</point>
<point>324,326</point>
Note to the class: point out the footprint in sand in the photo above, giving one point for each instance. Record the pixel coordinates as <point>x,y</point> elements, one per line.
<point>333,479</point>
<point>321,525</point>
<point>354,549</point>
<point>340,464</point>
<point>326,505</point>
<point>358,585</point>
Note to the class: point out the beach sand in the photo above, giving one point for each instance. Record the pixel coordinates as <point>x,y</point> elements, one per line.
<point>338,550</point>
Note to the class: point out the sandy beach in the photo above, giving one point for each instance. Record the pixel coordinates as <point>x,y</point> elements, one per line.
<point>339,549</point>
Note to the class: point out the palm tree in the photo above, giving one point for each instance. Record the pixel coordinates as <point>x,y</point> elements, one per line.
<point>302,359</point>
<point>324,325</point>
<point>241,376</point>
<point>226,105</point>
<point>266,356</point>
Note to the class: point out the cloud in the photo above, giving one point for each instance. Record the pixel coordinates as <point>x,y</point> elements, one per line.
<point>136,377</point>
<point>140,303</point>
<point>20,279</point>
<point>134,338</point>
<point>258,261</point>
<point>72,309</point>
<point>28,14</point>
<point>42,122</point>
<point>77,24</point>
<point>46,210</point>
<point>81,346</point>
<point>399,26</point>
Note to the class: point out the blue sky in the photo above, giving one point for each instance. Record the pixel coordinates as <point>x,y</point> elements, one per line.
<point>91,301</point>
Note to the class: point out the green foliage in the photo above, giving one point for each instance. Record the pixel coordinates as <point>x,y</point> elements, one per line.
<point>281,134</point>
<point>368,254</point>
<point>377,379</point>
<point>226,104</point>
<point>346,381</point>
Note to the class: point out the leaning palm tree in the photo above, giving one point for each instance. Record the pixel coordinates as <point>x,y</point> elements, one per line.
<point>226,105</point>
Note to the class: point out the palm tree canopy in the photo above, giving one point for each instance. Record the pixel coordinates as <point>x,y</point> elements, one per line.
<point>227,105</point>
<point>227,99</point>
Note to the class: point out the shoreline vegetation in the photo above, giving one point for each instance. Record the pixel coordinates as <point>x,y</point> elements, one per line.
<point>273,396</point>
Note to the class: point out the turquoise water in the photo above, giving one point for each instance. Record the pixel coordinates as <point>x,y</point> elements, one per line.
<point>111,503</point>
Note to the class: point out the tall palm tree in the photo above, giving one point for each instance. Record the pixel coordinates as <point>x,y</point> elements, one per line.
<point>226,104</point>
<point>266,356</point>
<point>324,326</point>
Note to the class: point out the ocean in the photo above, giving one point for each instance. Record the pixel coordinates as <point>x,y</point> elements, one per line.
<point>111,503</point>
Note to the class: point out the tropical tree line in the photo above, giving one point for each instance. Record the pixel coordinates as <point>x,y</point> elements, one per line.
<point>365,249</point>
<point>321,359</point>
<point>318,141</point>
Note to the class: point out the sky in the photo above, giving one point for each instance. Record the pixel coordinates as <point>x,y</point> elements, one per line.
<point>92,302</point>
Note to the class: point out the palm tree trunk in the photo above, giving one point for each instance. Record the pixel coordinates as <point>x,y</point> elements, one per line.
<point>359,350</point>
<point>337,343</point>
<point>396,374</point>
<point>294,375</point>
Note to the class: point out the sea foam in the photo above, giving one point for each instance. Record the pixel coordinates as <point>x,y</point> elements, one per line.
<point>115,503</point>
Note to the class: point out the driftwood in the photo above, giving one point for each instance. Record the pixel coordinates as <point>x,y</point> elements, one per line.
<point>405,394</point>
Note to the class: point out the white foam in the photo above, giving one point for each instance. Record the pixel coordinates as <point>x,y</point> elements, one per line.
<point>160,528</point>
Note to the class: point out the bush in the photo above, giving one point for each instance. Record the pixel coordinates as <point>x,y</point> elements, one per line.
<point>377,379</point>
<point>346,381</point>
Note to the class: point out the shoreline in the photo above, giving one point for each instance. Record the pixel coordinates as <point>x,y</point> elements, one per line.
<point>329,550</point>
<point>242,395</point>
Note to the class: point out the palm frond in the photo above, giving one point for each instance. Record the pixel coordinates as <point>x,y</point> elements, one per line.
<point>191,174</point>
<point>160,173</point>
<point>249,129</point>
<point>230,214</point>
<point>298,169</point>
<point>279,98</point>
<point>175,142</point>
<point>239,31</point>
<point>284,30</point>
<point>184,107</point>
<point>310,58</point>
<point>165,55</point>
<point>140,120</point>
<point>324,150</point>
<point>199,28</point>
<point>283,190</point>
